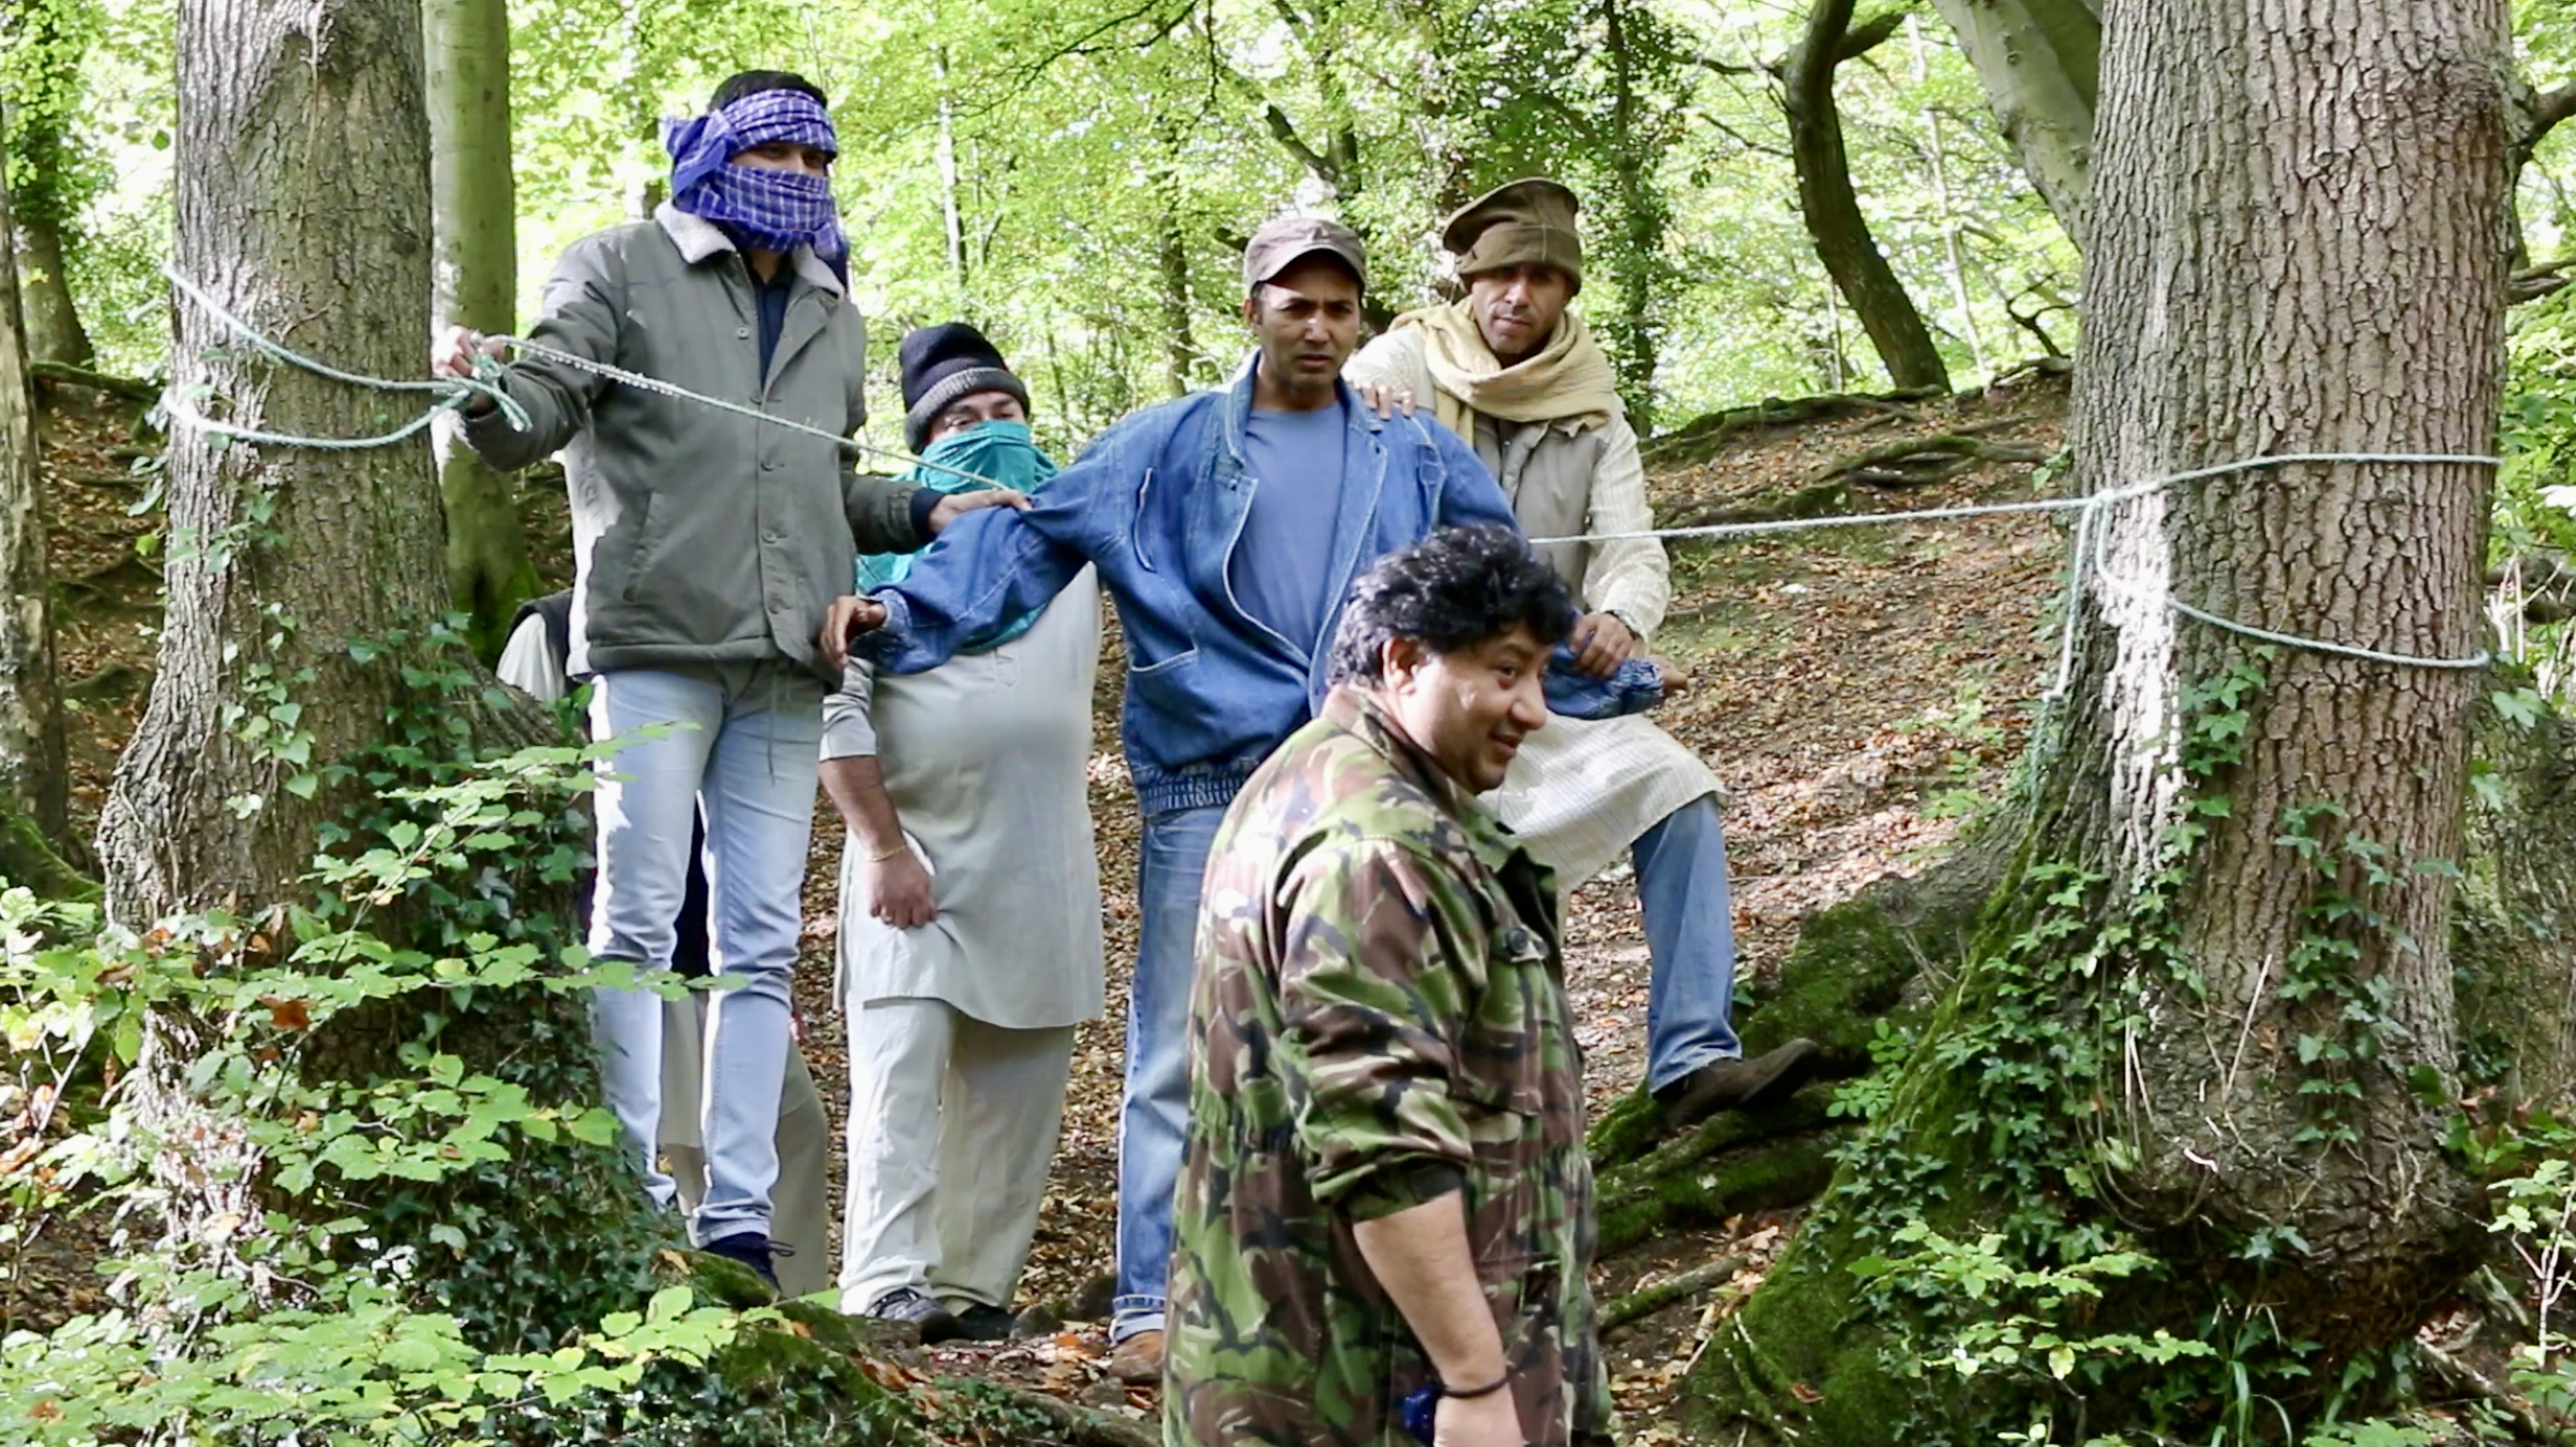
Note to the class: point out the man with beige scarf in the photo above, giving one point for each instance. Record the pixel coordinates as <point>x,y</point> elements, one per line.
<point>1519,377</point>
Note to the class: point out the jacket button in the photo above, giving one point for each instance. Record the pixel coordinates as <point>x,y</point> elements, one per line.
<point>770,538</point>
<point>769,466</point>
<point>742,333</point>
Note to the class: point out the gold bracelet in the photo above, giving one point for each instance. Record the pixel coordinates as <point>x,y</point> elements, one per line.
<point>900,847</point>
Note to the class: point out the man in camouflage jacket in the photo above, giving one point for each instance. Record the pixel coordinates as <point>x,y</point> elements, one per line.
<point>1384,1186</point>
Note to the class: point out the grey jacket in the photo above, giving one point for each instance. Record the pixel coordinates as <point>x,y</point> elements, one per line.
<point>699,536</point>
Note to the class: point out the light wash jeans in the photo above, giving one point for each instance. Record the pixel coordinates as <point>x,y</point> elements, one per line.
<point>1690,935</point>
<point>742,750</point>
<point>1155,1114</point>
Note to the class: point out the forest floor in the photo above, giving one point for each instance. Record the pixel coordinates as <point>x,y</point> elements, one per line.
<point>1859,690</point>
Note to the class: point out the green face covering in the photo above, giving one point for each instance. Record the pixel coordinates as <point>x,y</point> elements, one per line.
<point>989,454</point>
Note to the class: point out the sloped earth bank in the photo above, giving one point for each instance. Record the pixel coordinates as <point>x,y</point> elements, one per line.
<point>1858,690</point>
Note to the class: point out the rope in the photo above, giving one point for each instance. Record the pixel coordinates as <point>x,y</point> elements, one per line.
<point>453,393</point>
<point>2100,565</point>
<point>2092,541</point>
<point>643,383</point>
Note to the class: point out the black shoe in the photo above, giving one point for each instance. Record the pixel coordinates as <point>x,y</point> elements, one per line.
<point>979,1322</point>
<point>907,1303</point>
<point>752,1249</point>
<point>1738,1084</point>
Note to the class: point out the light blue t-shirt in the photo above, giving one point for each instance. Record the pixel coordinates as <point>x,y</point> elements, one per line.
<point>1284,562</point>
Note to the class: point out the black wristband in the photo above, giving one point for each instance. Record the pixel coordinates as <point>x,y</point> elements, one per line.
<point>925,501</point>
<point>1472,1393</point>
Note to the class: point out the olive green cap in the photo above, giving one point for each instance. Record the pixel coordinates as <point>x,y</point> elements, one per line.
<point>1525,221</point>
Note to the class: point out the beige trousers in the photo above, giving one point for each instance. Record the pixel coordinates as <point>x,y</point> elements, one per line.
<point>953,1123</point>
<point>800,1210</point>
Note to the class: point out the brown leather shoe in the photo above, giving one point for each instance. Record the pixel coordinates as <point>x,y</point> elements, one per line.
<point>1738,1084</point>
<point>1138,1361</point>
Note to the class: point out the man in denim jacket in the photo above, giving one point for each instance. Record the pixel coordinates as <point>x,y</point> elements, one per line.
<point>1227,525</point>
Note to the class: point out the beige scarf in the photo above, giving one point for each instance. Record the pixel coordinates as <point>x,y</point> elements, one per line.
<point>1568,382</point>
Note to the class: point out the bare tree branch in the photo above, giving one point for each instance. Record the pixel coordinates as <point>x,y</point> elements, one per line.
<point>2547,110</point>
<point>1867,35</point>
<point>1726,67</point>
<point>1284,132</point>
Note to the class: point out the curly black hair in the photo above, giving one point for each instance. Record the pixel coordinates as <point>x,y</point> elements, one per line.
<point>753,82</point>
<point>1453,590</point>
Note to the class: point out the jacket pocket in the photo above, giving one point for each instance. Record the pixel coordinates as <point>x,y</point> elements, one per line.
<point>1503,1047</point>
<point>1173,716</point>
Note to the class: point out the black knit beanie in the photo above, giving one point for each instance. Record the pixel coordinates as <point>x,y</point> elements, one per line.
<point>940,365</point>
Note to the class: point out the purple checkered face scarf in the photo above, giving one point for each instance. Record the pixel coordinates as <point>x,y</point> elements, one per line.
<point>774,210</point>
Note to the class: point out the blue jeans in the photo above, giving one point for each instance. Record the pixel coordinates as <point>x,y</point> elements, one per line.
<point>1690,933</point>
<point>1155,1114</point>
<point>742,749</point>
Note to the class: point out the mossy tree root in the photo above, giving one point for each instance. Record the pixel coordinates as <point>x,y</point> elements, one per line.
<point>28,859</point>
<point>1732,1163</point>
<point>1854,965</point>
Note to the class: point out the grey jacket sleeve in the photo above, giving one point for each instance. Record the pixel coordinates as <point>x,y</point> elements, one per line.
<point>849,732</point>
<point>883,516</point>
<point>578,314</point>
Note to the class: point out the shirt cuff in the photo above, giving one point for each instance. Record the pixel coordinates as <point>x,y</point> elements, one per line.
<point>925,501</point>
<point>1402,1185</point>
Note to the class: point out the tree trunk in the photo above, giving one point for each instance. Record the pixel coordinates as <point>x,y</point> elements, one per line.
<point>2358,307</point>
<point>40,96</point>
<point>474,211</point>
<point>1938,152</point>
<point>53,325</point>
<point>303,207</point>
<point>951,208</point>
<point>2214,1016</point>
<point>1832,210</point>
<point>32,782</point>
<point>1172,264</point>
<point>1644,217</point>
<point>2039,61</point>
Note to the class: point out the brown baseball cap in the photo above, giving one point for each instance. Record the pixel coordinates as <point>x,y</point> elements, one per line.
<point>1529,220</point>
<point>1290,239</point>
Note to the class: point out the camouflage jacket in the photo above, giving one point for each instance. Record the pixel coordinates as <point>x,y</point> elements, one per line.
<point>1379,1018</point>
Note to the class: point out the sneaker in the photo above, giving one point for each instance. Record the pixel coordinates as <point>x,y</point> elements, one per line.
<point>1138,1361</point>
<point>979,1322</point>
<point>752,1249</point>
<point>912,1304</point>
<point>1738,1084</point>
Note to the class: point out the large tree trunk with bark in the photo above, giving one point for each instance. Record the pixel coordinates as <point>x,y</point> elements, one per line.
<point>299,656</point>
<point>303,188</point>
<point>1832,209</point>
<point>2212,1015</point>
<point>33,786</point>
<point>2040,62</point>
<point>474,211</point>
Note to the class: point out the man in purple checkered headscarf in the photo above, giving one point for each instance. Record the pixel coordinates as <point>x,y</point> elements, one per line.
<point>761,166</point>
<point>707,546</point>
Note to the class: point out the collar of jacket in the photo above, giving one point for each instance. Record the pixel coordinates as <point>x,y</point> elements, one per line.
<point>1528,884</point>
<point>1353,708</point>
<point>1224,507</point>
<point>700,239</point>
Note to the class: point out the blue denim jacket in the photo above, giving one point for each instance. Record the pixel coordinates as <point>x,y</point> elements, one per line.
<point>1158,505</point>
